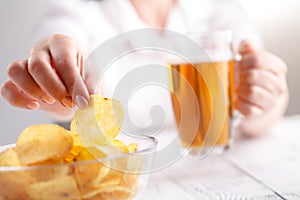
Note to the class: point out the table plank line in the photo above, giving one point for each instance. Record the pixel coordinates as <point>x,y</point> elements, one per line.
<point>253,177</point>
<point>213,178</point>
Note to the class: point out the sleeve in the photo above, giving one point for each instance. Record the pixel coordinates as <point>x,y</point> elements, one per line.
<point>64,17</point>
<point>229,15</point>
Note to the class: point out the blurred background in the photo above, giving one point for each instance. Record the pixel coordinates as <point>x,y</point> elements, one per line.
<point>277,21</point>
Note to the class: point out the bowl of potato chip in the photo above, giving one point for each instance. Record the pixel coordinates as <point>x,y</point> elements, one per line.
<point>93,160</point>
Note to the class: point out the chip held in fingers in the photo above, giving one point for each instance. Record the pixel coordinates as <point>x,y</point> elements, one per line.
<point>100,123</point>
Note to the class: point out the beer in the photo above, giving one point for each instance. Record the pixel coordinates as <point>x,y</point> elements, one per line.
<point>212,83</point>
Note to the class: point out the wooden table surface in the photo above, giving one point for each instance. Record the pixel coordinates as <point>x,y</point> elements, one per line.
<point>263,168</point>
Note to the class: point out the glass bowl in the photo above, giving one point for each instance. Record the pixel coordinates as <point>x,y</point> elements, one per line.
<point>117,177</point>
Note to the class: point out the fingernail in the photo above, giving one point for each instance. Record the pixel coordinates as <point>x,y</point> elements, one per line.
<point>2,90</point>
<point>33,105</point>
<point>81,102</point>
<point>245,45</point>
<point>67,102</point>
<point>47,99</point>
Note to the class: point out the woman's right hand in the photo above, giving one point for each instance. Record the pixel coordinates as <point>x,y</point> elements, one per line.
<point>51,79</point>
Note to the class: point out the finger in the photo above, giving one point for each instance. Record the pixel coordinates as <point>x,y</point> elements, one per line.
<point>41,71</point>
<point>80,62</point>
<point>263,78</point>
<point>264,60</point>
<point>64,54</point>
<point>248,109</point>
<point>15,97</point>
<point>247,47</point>
<point>19,75</point>
<point>256,95</point>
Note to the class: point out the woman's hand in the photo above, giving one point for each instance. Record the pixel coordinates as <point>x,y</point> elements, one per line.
<point>262,91</point>
<point>50,79</point>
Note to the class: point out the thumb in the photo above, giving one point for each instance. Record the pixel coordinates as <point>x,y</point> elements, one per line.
<point>247,47</point>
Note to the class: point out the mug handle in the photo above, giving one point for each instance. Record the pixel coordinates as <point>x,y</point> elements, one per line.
<point>237,116</point>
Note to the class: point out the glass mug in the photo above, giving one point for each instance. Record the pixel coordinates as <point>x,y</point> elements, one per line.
<point>203,94</point>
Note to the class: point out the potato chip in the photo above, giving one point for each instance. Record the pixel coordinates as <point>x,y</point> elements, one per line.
<point>85,175</point>
<point>76,149</point>
<point>40,143</point>
<point>58,161</point>
<point>100,122</point>
<point>115,174</point>
<point>112,182</point>
<point>62,188</point>
<point>9,158</point>
<point>111,193</point>
<point>47,172</point>
<point>71,156</point>
<point>110,115</point>
<point>76,140</point>
<point>13,184</point>
<point>120,145</point>
<point>133,147</point>
<point>90,153</point>
<point>130,180</point>
<point>101,175</point>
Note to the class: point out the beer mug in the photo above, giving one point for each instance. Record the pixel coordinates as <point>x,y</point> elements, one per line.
<point>203,93</point>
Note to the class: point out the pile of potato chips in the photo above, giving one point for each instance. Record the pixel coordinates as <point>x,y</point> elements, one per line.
<point>49,162</point>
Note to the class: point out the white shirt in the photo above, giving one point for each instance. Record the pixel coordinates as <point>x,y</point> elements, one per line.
<point>90,23</point>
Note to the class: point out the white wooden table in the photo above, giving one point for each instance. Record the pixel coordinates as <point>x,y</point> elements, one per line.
<point>263,168</point>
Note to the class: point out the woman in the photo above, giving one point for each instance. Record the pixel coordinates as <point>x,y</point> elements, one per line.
<point>72,29</point>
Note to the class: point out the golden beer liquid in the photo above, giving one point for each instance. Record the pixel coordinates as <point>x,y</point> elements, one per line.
<point>203,84</point>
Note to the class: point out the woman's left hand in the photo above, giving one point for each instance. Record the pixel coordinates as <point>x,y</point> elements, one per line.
<point>262,81</point>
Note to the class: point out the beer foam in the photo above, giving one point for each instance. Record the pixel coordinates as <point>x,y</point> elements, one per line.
<point>211,56</point>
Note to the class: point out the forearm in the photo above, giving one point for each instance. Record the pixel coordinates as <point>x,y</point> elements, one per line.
<point>257,125</point>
